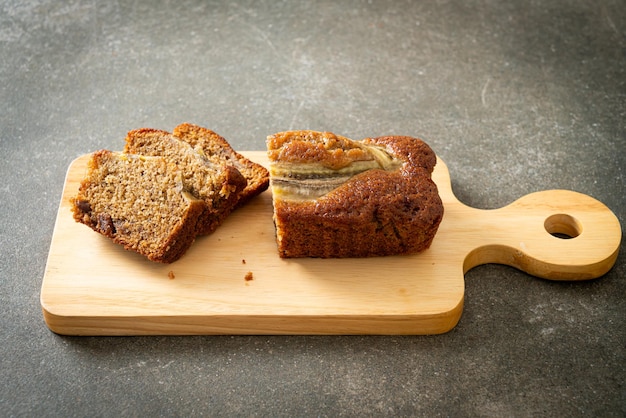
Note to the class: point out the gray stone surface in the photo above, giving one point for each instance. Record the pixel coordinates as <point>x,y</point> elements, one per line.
<point>515,97</point>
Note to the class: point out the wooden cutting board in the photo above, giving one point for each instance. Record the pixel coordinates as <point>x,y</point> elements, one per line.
<point>233,282</point>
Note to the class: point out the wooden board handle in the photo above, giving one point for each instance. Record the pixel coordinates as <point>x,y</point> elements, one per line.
<point>553,234</point>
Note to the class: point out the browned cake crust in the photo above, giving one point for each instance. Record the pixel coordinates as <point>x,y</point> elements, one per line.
<point>140,203</point>
<point>213,145</point>
<point>213,180</point>
<point>376,212</point>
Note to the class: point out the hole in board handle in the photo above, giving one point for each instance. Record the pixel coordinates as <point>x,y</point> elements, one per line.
<point>563,226</point>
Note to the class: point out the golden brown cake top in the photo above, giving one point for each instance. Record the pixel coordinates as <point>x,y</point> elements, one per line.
<point>306,165</point>
<point>325,148</point>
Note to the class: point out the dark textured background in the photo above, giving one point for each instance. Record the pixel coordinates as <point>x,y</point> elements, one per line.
<point>516,97</point>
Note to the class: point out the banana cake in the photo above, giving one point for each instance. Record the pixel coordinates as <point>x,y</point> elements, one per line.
<point>213,146</point>
<point>139,202</point>
<point>213,180</point>
<point>334,197</point>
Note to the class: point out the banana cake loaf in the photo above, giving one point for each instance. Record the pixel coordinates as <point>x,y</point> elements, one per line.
<point>334,197</point>
<point>139,202</point>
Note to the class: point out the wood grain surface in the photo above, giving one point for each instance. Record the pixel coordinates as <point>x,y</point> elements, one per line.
<point>233,282</point>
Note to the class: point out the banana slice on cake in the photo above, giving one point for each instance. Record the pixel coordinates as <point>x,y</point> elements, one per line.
<point>306,165</point>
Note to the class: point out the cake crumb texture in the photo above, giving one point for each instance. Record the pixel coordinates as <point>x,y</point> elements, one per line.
<point>214,181</point>
<point>138,202</point>
<point>161,192</point>
<point>215,147</point>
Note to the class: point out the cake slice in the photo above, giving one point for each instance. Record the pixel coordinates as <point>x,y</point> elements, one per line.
<point>213,146</point>
<point>213,180</point>
<point>334,197</point>
<point>138,202</point>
